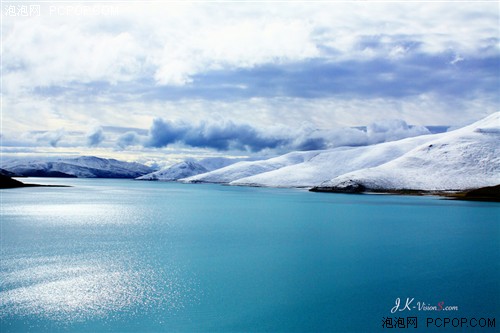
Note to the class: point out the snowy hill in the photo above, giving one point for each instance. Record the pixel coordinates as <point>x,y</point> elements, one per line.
<point>82,167</point>
<point>180,170</point>
<point>189,168</point>
<point>249,168</point>
<point>214,163</point>
<point>331,163</point>
<point>462,159</point>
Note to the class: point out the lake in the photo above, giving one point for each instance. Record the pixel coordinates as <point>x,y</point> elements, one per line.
<point>129,256</point>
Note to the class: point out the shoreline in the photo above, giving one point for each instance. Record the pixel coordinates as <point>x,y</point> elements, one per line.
<point>488,193</point>
<point>485,194</point>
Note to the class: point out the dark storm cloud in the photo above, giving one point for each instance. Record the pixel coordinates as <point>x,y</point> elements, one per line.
<point>227,135</point>
<point>220,136</point>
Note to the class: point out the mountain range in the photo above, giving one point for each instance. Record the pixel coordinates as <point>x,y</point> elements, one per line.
<point>81,167</point>
<point>461,159</point>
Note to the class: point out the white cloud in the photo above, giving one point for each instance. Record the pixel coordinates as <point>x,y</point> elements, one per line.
<point>44,54</point>
<point>232,43</point>
<point>457,59</point>
<point>169,44</point>
<point>172,42</point>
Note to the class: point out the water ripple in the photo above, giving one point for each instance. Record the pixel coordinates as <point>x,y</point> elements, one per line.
<point>58,289</point>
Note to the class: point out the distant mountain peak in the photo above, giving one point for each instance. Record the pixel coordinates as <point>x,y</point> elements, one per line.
<point>82,167</point>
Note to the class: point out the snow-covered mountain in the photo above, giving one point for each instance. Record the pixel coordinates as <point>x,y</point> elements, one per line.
<point>460,159</point>
<point>180,170</point>
<point>214,163</point>
<point>331,163</point>
<point>189,168</point>
<point>249,168</point>
<point>308,168</point>
<point>82,167</point>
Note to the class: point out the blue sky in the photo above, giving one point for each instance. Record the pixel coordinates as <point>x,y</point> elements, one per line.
<point>161,81</point>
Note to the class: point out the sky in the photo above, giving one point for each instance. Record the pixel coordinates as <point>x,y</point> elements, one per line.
<point>157,82</point>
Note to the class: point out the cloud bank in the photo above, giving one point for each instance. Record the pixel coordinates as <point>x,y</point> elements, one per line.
<point>308,67</point>
<point>180,42</point>
<point>227,135</point>
<point>223,136</point>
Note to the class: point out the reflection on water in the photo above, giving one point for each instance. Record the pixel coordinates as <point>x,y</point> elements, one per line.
<point>74,213</point>
<point>86,253</point>
<point>67,289</point>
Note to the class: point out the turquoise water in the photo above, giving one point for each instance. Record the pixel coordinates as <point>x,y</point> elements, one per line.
<point>130,256</point>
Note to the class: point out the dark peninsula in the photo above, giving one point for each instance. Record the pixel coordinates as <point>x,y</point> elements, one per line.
<point>8,182</point>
